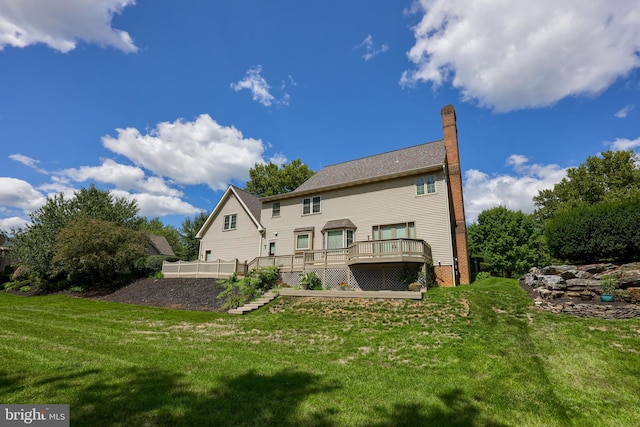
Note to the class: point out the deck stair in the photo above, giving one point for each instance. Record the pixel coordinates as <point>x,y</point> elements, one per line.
<point>255,304</point>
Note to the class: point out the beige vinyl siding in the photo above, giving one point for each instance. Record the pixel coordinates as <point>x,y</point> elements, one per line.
<point>241,243</point>
<point>386,202</point>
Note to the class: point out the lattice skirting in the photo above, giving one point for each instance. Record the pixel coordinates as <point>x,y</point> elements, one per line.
<point>367,278</point>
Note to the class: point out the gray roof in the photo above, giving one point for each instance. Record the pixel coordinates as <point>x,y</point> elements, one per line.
<point>253,203</point>
<point>395,163</point>
<point>161,244</point>
<point>339,223</point>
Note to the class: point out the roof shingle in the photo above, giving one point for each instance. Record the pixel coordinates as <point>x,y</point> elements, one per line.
<point>373,168</point>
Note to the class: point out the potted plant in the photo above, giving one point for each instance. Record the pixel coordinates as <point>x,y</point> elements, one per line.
<point>607,288</point>
<point>343,286</point>
<point>310,280</point>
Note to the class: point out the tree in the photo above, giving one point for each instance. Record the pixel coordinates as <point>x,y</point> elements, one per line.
<point>34,246</point>
<point>188,231</point>
<point>614,176</point>
<point>95,249</point>
<point>510,241</point>
<point>269,179</point>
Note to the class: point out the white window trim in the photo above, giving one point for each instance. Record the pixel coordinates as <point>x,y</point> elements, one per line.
<point>423,182</point>
<point>311,205</point>
<point>231,222</point>
<point>344,231</point>
<point>309,235</point>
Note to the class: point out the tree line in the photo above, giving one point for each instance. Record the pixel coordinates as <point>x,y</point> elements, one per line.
<point>94,238</point>
<point>593,214</point>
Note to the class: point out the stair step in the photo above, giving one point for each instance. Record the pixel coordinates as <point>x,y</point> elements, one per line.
<point>253,305</point>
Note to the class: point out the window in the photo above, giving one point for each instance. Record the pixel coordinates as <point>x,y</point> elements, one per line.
<point>337,239</point>
<point>311,205</point>
<point>230,222</point>
<point>207,255</point>
<point>303,242</point>
<point>426,185</point>
<point>272,248</point>
<point>275,209</point>
<point>405,230</point>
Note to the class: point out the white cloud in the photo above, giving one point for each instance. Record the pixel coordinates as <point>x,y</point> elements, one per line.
<point>7,224</point>
<point>514,55</point>
<point>124,177</point>
<point>153,205</point>
<point>28,161</point>
<point>514,191</point>
<point>622,113</point>
<point>622,144</point>
<point>16,193</point>
<point>257,85</point>
<point>60,24</point>
<point>371,51</point>
<point>198,152</point>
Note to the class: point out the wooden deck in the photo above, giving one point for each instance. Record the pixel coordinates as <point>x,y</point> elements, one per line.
<point>351,294</point>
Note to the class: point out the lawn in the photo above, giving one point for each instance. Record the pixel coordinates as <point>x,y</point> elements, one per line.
<point>470,356</point>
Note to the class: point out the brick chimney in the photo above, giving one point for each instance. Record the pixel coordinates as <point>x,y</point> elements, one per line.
<point>456,200</point>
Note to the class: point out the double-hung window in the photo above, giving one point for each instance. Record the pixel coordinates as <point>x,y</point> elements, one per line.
<point>303,239</point>
<point>275,209</point>
<point>311,205</point>
<point>426,185</point>
<point>230,222</point>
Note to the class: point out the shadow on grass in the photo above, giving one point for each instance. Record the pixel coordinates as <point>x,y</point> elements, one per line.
<point>160,398</point>
<point>455,410</point>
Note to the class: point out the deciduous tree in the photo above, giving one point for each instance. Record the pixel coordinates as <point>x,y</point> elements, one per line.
<point>270,179</point>
<point>510,241</point>
<point>612,176</point>
<point>188,231</point>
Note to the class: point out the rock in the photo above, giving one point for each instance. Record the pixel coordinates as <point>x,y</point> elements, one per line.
<point>557,269</point>
<point>555,283</point>
<point>581,284</point>
<point>597,268</point>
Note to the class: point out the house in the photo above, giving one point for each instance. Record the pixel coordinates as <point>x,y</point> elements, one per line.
<point>159,245</point>
<point>366,222</point>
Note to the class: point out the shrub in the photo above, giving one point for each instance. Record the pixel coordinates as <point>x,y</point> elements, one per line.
<point>483,275</point>
<point>240,291</point>
<point>605,231</point>
<point>311,279</point>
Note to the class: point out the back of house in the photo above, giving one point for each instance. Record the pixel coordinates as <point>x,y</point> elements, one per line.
<point>369,222</point>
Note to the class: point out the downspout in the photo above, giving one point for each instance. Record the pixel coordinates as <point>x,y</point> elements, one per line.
<point>451,236</point>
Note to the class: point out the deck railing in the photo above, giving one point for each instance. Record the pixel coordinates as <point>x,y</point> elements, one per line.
<point>372,251</point>
<point>395,250</point>
<point>203,269</point>
<point>380,249</point>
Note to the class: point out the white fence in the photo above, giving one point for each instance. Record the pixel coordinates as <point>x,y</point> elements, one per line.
<point>218,269</point>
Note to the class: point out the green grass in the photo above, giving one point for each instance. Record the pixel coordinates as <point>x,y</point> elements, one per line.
<point>471,356</point>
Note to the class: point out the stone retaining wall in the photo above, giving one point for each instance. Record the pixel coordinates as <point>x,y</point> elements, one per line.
<point>576,281</point>
<point>575,289</point>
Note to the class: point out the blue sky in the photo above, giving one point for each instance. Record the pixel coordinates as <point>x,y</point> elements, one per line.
<point>170,101</point>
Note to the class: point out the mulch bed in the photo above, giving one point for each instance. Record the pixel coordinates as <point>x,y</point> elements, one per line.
<point>186,294</point>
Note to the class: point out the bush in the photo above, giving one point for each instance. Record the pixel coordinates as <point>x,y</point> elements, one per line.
<point>483,275</point>
<point>241,291</point>
<point>311,279</point>
<point>605,231</point>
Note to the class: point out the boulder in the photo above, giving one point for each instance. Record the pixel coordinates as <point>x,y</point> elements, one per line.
<point>554,283</point>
